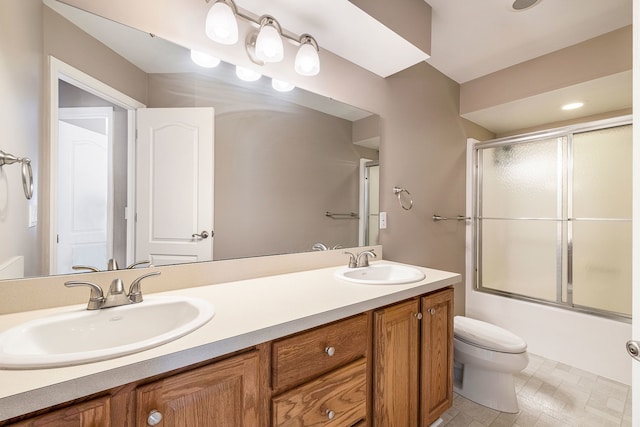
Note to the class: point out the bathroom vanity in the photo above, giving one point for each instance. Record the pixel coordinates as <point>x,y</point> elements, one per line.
<point>294,349</point>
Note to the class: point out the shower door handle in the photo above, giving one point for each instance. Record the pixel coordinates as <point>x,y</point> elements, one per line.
<point>633,348</point>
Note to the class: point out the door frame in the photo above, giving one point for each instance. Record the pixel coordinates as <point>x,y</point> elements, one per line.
<point>59,70</point>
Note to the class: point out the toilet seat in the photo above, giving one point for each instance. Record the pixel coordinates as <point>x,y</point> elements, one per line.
<point>487,336</point>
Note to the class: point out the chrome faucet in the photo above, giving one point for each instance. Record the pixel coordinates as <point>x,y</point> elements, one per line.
<point>362,260</point>
<point>356,261</point>
<point>116,295</point>
<point>319,247</point>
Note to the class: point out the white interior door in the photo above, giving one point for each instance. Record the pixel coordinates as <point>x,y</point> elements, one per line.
<point>174,185</point>
<point>85,193</point>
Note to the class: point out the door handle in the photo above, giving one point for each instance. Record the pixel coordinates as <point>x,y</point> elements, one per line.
<point>633,349</point>
<point>202,235</point>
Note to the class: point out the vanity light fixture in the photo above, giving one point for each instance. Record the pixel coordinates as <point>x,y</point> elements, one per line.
<point>204,59</point>
<point>269,47</point>
<point>221,25</point>
<point>572,106</point>
<point>265,45</point>
<point>247,74</point>
<point>307,59</point>
<point>281,86</point>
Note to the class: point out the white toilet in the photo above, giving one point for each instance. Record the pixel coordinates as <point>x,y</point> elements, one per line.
<point>486,357</point>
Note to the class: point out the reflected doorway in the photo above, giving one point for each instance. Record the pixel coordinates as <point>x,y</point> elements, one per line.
<point>370,202</point>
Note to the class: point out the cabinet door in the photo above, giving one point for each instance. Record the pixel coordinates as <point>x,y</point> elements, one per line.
<point>437,355</point>
<point>395,365</point>
<point>94,413</point>
<point>225,393</point>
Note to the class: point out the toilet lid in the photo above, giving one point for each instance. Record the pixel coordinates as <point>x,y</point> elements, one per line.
<point>486,335</point>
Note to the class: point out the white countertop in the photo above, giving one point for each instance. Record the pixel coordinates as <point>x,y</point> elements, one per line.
<point>248,313</point>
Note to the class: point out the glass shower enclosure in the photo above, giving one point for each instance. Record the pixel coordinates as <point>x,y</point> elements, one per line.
<point>552,217</point>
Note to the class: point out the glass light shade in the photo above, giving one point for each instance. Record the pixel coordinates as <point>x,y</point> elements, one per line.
<point>307,60</point>
<point>221,25</point>
<point>281,86</point>
<point>269,47</point>
<point>204,59</point>
<point>247,74</point>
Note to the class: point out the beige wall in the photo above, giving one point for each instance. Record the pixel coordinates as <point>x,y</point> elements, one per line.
<point>599,57</point>
<point>20,103</point>
<point>423,150</point>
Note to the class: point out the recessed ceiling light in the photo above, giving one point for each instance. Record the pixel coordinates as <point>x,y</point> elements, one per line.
<point>572,106</point>
<point>524,4</point>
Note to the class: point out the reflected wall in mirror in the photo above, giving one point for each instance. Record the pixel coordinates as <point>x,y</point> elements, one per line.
<point>281,160</point>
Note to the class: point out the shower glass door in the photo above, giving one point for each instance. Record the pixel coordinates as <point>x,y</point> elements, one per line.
<point>551,220</point>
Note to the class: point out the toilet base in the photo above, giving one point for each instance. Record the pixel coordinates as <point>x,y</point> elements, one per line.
<point>495,390</point>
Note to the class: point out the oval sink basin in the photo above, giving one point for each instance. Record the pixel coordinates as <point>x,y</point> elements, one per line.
<point>381,274</point>
<point>82,336</point>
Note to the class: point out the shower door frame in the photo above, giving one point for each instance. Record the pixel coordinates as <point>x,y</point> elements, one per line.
<point>564,254</point>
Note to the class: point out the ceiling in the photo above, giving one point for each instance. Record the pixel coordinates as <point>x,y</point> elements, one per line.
<point>469,39</point>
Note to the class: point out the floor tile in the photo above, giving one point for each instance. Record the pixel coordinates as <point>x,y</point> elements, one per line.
<point>551,394</point>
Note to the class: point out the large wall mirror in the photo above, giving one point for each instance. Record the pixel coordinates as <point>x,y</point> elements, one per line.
<point>279,172</point>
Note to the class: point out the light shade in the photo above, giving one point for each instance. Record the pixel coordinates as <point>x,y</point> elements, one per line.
<point>204,59</point>
<point>269,47</point>
<point>221,25</point>
<point>307,59</point>
<point>281,86</point>
<point>247,74</point>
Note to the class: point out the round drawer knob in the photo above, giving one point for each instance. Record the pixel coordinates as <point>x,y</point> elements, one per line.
<point>330,351</point>
<point>432,311</point>
<point>418,316</point>
<point>330,414</point>
<point>154,418</point>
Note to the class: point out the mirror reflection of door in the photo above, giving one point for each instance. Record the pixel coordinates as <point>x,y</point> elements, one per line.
<point>174,185</point>
<point>85,190</point>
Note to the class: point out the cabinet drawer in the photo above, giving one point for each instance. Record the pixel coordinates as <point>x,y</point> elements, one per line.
<point>304,356</point>
<point>337,398</point>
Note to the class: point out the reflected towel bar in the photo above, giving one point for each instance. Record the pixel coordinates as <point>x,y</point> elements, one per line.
<point>437,217</point>
<point>350,215</point>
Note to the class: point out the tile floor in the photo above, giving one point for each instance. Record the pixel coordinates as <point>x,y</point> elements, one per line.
<point>551,394</point>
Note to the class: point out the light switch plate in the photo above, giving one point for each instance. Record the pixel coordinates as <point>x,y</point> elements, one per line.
<point>383,220</point>
<point>33,215</point>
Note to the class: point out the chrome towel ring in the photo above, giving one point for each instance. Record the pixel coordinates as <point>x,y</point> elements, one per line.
<point>405,205</point>
<point>27,171</point>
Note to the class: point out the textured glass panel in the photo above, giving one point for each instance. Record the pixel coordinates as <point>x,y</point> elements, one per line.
<point>520,180</point>
<point>520,257</point>
<point>602,265</point>
<point>602,173</point>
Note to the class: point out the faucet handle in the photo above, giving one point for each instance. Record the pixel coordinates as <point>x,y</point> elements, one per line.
<point>352,259</point>
<point>135,292</point>
<point>95,299</point>
<point>137,263</point>
<point>85,267</point>
<point>365,261</point>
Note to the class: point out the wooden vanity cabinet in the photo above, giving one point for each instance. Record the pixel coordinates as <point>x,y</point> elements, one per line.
<point>436,389</point>
<point>392,366</point>
<point>93,413</point>
<point>413,360</point>
<point>319,377</point>
<point>225,393</point>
